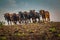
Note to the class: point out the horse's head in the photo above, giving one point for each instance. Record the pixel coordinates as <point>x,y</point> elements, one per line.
<point>41,12</point>
<point>47,14</point>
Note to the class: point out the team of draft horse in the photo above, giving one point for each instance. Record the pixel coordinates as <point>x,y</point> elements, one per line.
<point>27,17</point>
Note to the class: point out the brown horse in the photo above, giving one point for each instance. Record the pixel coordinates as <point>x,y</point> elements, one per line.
<point>47,16</point>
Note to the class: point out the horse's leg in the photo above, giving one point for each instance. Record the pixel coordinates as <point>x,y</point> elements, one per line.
<point>28,21</point>
<point>22,21</point>
<point>35,19</point>
<point>31,20</point>
<point>42,19</point>
<point>19,21</point>
<point>8,22</point>
<point>11,22</point>
<point>25,20</point>
<point>15,22</point>
<point>39,20</point>
<point>48,19</point>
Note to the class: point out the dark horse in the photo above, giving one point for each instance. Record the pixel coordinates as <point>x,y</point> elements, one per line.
<point>7,17</point>
<point>34,15</point>
<point>21,17</point>
<point>42,13</point>
<point>15,18</point>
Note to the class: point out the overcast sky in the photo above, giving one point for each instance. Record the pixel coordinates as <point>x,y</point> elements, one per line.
<point>53,6</point>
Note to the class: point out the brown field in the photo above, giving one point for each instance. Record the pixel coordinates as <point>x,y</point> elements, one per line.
<point>32,31</point>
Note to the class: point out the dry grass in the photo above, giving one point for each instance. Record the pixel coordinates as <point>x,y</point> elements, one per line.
<point>32,30</point>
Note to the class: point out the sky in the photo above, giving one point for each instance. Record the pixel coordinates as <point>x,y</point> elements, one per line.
<point>14,6</point>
